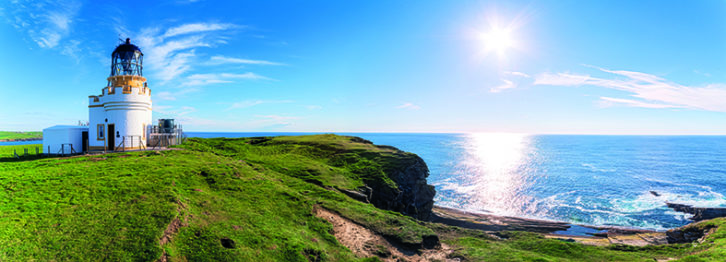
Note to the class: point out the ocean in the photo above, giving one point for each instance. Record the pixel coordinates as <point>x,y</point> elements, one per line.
<point>581,179</point>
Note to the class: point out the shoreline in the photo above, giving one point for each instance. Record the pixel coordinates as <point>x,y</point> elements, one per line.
<point>21,139</point>
<point>586,234</point>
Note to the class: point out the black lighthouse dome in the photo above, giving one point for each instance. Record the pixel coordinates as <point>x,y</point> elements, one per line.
<point>127,59</point>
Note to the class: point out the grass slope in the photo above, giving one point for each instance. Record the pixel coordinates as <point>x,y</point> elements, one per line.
<point>248,199</point>
<point>8,135</point>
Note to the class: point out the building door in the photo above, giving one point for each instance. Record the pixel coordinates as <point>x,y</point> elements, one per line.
<point>84,137</point>
<point>111,136</point>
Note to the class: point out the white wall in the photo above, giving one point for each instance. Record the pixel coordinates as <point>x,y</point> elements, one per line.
<point>129,113</point>
<point>54,138</point>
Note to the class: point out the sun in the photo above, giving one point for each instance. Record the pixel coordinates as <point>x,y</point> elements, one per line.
<point>497,40</point>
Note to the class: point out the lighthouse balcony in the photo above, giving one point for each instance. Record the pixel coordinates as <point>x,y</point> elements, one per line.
<point>126,80</point>
<point>140,90</point>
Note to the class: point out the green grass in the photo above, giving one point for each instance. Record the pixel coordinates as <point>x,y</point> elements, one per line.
<point>259,193</point>
<point>8,135</point>
<point>8,151</point>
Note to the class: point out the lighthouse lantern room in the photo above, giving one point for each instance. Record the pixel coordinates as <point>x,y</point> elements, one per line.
<point>119,116</point>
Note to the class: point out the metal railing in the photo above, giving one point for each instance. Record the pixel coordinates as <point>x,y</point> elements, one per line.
<point>122,145</point>
<point>158,137</point>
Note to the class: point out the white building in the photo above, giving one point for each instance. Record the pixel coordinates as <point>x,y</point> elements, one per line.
<point>118,118</point>
<point>63,140</point>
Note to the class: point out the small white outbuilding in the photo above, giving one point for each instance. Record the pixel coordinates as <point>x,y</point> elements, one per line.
<point>63,140</point>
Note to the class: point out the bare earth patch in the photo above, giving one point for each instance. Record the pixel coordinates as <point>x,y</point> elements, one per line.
<point>172,229</point>
<point>366,243</point>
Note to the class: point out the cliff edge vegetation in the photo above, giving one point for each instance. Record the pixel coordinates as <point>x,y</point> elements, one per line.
<point>304,198</point>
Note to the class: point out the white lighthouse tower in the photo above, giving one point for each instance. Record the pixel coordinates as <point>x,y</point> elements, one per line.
<point>118,118</point>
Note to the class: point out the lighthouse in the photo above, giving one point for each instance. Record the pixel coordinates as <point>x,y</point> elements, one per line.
<point>119,116</point>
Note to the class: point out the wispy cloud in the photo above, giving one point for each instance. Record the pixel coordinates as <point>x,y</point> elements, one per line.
<point>611,101</point>
<point>251,103</point>
<point>173,111</point>
<point>232,60</point>
<point>510,80</point>
<point>652,91</point>
<point>220,78</point>
<point>170,54</point>
<point>508,84</point>
<point>409,106</point>
<point>195,28</point>
<point>514,73</point>
<point>165,95</point>
<point>47,23</point>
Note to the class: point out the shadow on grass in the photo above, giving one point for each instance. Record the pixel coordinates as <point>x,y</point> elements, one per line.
<point>22,158</point>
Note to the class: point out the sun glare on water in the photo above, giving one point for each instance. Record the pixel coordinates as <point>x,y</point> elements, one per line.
<point>492,164</point>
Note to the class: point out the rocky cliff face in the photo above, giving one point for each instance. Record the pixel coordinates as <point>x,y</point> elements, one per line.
<point>413,196</point>
<point>409,193</point>
<point>394,180</point>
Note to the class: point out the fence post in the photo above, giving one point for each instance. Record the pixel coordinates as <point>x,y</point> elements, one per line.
<point>36,151</point>
<point>25,153</point>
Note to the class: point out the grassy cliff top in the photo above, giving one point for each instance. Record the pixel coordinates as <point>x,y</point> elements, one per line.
<point>8,135</point>
<point>246,199</point>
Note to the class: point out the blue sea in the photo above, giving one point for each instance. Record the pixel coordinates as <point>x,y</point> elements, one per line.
<point>582,179</point>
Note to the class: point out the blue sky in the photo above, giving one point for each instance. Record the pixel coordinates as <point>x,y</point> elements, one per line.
<point>582,67</point>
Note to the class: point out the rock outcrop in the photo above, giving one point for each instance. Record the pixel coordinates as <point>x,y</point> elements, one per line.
<point>414,196</point>
<point>689,233</point>
<point>699,213</point>
<point>394,180</point>
<point>411,194</point>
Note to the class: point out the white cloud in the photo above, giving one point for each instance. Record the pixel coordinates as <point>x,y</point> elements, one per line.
<point>506,85</point>
<point>171,54</point>
<point>220,78</point>
<point>251,103</point>
<point>185,110</point>
<point>173,111</point>
<point>519,74</point>
<point>653,91</point>
<point>195,28</point>
<point>165,96</point>
<point>611,101</point>
<point>409,106</point>
<point>47,23</point>
<point>232,60</point>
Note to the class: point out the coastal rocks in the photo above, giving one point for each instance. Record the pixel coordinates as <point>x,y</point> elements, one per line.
<point>363,194</point>
<point>690,233</point>
<point>699,213</point>
<point>412,195</point>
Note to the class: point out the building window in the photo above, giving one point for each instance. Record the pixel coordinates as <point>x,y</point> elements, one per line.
<point>143,131</point>
<point>100,132</point>
<point>111,90</point>
<point>126,90</point>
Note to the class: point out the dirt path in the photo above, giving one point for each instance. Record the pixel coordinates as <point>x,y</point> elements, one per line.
<point>366,243</point>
